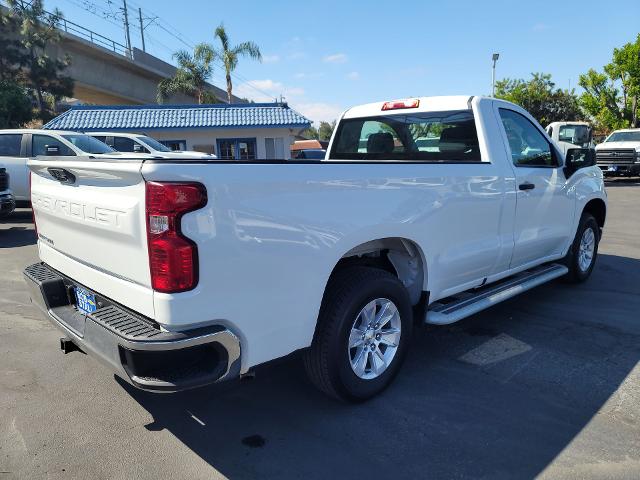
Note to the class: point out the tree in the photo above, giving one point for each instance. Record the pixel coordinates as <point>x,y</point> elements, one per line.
<point>311,133</point>
<point>12,55</point>
<point>325,130</point>
<point>230,55</point>
<point>540,98</point>
<point>42,74</point>
<point>191,76</point>
<point>611,98</point>
<point>15,105</point>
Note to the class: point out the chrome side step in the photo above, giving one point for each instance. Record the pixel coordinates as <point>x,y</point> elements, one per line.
<point>462,305</point>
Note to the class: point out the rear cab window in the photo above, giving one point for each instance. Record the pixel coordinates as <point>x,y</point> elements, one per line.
<point>448,136</point>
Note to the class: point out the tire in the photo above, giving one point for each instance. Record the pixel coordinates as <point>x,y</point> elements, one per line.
<point>353,296</point>
<point>578,269</point>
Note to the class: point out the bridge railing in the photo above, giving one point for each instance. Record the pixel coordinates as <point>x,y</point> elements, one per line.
<point>83,32</point>
<point>93,37</point>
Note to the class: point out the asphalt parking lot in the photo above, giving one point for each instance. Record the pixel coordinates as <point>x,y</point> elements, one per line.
<point>546,384</point>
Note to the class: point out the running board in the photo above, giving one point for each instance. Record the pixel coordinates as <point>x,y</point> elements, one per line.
<point>462,305</point>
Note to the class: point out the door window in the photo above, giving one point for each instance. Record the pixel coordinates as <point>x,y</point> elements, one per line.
<point>124,144</point>
<point>175,145</point>
<point>529,147</point>
<point>40,143</point>
<point>10,145</point>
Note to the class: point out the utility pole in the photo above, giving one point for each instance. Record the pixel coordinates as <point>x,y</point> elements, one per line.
<point>494,57</point>
<point>126,29</point>
<point>144,48</point>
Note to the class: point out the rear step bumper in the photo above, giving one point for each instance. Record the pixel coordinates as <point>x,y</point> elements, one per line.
<point>133,345</point>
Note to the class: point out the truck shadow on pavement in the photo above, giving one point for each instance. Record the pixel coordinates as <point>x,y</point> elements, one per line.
<point>14,232</point>
<point>501,394</point>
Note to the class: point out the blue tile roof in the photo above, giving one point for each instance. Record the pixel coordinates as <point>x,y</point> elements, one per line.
<point>146,117</point>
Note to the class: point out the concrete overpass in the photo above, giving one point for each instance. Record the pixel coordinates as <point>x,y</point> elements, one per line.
<point>105,73</point>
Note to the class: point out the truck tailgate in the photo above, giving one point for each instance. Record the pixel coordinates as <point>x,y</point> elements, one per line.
<point>92,225</point>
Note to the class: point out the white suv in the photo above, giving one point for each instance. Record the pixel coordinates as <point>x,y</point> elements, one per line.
<point>17,146</point>
<point>136,142</point>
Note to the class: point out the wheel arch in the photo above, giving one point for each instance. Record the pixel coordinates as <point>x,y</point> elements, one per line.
<point>598,209</point>
<point>400,256</point>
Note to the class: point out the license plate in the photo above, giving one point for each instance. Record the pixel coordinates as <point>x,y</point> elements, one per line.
<point>85,301</point>
<point>612,168</point>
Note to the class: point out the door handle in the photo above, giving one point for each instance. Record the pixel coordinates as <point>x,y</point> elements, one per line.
<point>526,186</point>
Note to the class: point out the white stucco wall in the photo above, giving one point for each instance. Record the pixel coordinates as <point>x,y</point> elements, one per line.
<point>208,136</point>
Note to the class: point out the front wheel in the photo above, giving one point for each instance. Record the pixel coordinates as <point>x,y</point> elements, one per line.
<point>362,335</point>
<point>582,254</point>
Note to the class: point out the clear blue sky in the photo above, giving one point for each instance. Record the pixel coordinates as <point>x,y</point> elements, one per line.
<point>326,56</point>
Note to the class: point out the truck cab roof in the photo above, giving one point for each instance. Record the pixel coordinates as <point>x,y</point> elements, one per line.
<point>424,104</point>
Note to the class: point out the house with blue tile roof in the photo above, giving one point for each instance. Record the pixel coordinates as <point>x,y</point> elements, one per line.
<point>233,132</point>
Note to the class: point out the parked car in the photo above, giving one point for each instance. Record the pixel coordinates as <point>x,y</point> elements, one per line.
<point>619,154</point>
<point>310,154</point>
<point>135,142</point>
<point>181,274</point>
<point>571,134</point>
<point>17,146</point>
<point>7,202</point>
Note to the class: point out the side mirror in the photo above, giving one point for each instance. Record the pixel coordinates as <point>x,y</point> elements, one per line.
<point>577,158</point>
<point>137,148</point>
<point>51,150</point>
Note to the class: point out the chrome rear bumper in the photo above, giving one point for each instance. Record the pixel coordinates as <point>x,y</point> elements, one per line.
<point>133,345</point>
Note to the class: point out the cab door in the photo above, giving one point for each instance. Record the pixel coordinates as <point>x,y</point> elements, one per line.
<point>544,202</point>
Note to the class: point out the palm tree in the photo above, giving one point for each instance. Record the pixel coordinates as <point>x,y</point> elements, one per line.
<point>191,76</point>
<point>230,55</point>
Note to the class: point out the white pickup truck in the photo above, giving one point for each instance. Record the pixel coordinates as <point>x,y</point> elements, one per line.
<point>619,154</point>
<point>180,273</point>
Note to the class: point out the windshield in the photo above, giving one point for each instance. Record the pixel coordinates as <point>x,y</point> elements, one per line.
<point>624,137</point>
<point>576,134</point>
<point>154,144</point>
<point>88,144</point>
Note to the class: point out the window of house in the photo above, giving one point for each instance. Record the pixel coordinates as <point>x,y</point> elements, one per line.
<point>529,147</point>
<point>10,145</point>
<point>428,137</point>
<point>274,148</point>
<point>237,148</point>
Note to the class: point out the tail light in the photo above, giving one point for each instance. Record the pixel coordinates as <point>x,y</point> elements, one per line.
<point>173,258</point>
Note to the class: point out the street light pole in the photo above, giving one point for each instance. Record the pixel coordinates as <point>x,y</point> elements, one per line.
<point>494,57</point>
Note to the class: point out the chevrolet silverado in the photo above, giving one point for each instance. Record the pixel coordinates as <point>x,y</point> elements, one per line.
<point>179,273</point>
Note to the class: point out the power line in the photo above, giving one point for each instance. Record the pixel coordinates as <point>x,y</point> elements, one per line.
<point>112,16</point>
<point>173,31</point>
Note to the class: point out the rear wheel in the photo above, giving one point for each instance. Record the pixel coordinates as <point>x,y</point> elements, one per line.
<point>362,335</point>
<point>581,257</point>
